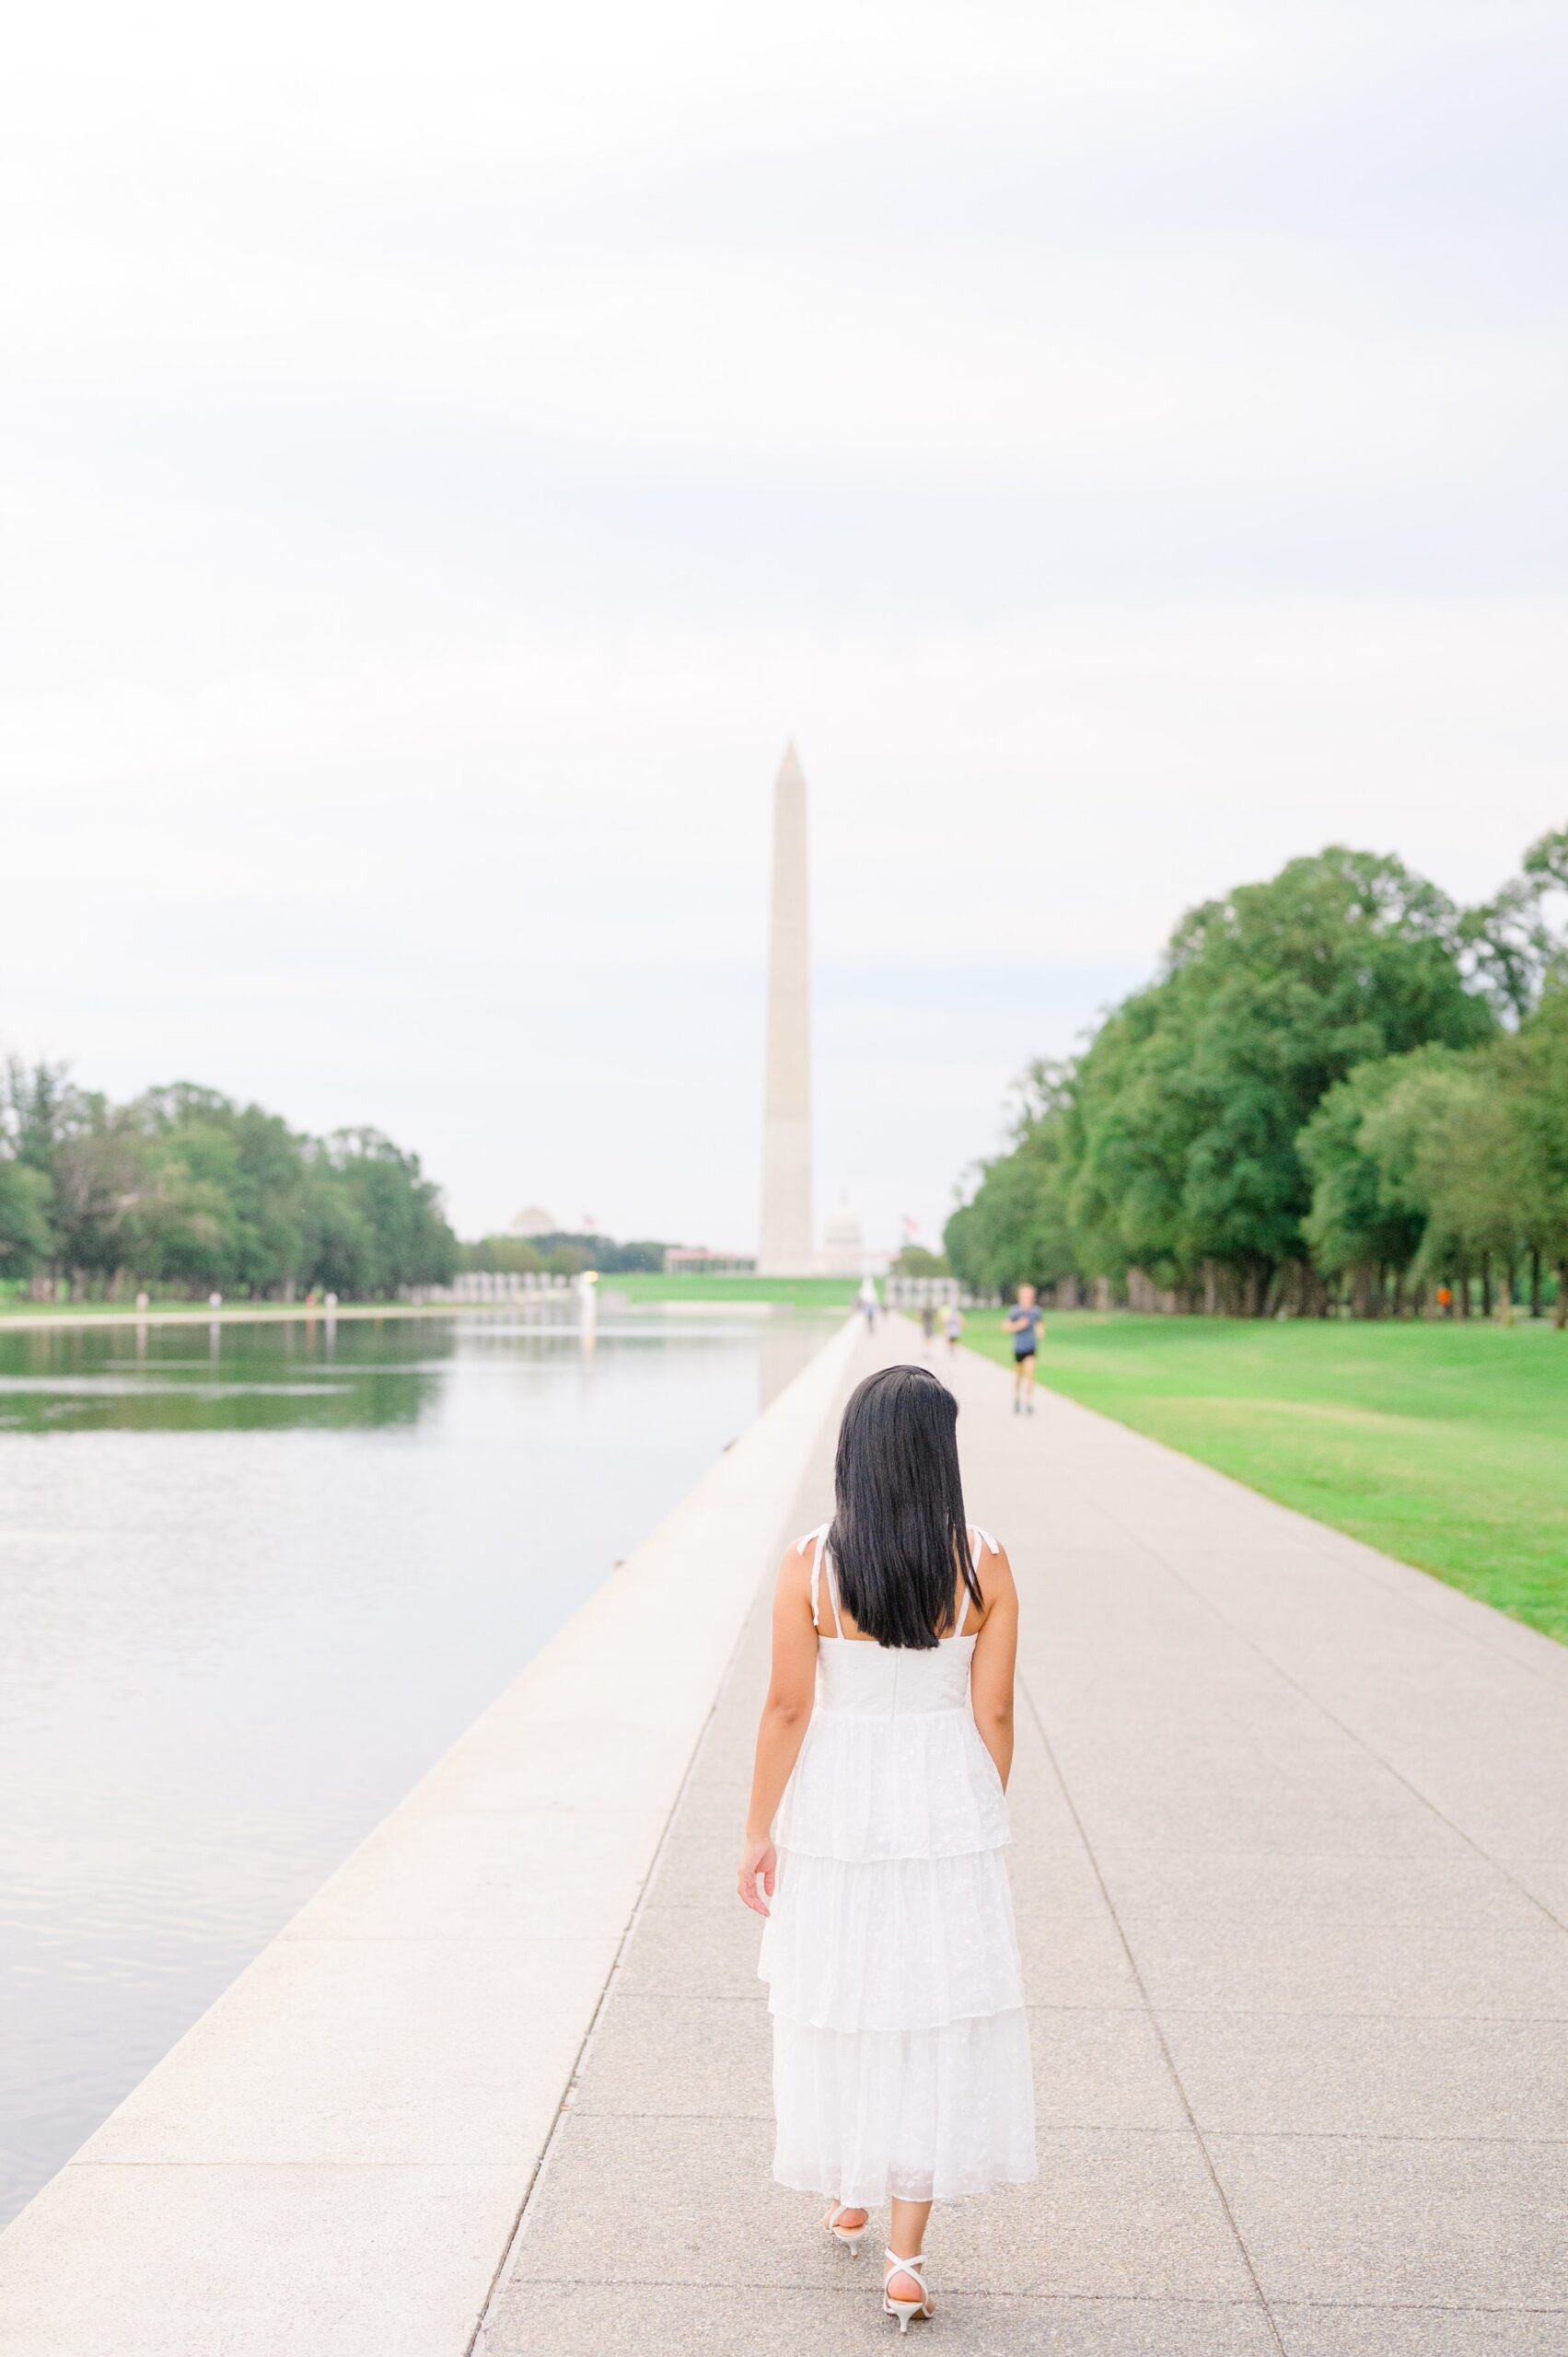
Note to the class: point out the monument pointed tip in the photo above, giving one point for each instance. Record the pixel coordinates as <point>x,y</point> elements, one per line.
<point>790,770</point>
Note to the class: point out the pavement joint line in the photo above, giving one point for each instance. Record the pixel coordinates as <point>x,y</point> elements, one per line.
<point>1332,2013</point>
<point>1177,2081</point>
<point>1370,2136</point>
<point>1537,1665</point>
<point>1318,1537</point>
<point>851,2291</point>
<point>475,2344</point>
<point>1433,2307</point>
<point>1262,1652</point>
<point>1051,2128</point>
<point>477,2340</point>
<point>1152,1552</point>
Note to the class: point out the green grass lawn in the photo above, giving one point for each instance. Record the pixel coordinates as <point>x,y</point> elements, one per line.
<point>16,1305</point>
<point>808,1293</point>
<point>1443,1445</point>
<point>160,1303</point>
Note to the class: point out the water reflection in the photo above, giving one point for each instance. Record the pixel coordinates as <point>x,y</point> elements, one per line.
<point>283,1372</point>
<point>250,1595</point>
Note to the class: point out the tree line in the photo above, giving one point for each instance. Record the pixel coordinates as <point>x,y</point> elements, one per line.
<point>1339,1090</point>
<point>183,1190</point>
<point>563,1253</point>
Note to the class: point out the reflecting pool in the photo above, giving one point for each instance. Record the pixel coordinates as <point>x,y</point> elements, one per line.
<point>254,1578</point>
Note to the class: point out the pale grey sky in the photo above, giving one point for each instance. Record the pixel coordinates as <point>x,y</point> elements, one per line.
<point>444,454</point>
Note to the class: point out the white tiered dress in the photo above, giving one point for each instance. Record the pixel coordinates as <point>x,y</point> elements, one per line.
<point>901,2046</point>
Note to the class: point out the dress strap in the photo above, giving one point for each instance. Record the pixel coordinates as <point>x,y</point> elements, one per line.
<point>832,1587</point>
<point>818,1541</point>
<point>819,1557</point>
<point>985,1537</point>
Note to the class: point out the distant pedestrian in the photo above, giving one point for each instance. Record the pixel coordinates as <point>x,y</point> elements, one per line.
<point>928,1326</point>
<point>1024,1321</point>
<point>953,1328</point>
<point>866,1299</point>
<point>215,1302</point>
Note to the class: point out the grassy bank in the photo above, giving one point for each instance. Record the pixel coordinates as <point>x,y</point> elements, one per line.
<point>42,1315</point>
<point>171,1304</point>
<point>1443,1445</point>
<point>807,1293</point>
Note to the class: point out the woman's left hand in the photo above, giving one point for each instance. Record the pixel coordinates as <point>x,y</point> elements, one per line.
<point>759,1863</point>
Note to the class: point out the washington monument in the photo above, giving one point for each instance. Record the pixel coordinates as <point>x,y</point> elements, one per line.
<point>787,1234</point>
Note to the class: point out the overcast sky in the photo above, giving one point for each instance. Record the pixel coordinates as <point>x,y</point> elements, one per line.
<point>445,453</point>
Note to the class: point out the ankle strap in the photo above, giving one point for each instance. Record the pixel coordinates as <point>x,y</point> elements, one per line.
<point>897,2266</point>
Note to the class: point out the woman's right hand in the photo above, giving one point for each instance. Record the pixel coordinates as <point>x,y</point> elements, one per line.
<point>759,1863</point>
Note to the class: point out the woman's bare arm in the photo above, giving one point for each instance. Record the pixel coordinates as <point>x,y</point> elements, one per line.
<point>991,1666</point>
<point>786,1714</point>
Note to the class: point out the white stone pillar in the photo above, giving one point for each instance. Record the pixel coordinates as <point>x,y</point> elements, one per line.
<point>788,1236</point>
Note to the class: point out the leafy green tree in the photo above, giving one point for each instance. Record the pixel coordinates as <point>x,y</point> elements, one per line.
<point>915,1260</point>
<point>644,1253</point>
<point>511,1255</point>
<point>32,1110</point>
<point>105,1183</point>
<point>567,1259</point>
<point>1533,1066</point>
<point>25,1232</point>
<point>1314,1082</point>
<point>340,1241</point>
<point>565,1252</point>
<point>1547,861</point>
<point>1508,947</point>
<point>407,1239</point>
<point>1016,1228</point>
<point>1365,1215</point>
<point>185,1187</point>
<point>1444,1140</point>
<point>245,1170</point>
<point>1189,1103</point>
<point>1511,947</point>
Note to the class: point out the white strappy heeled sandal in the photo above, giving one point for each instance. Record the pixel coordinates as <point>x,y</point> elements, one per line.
<point>851,2236</point>
<point>905,2309</point>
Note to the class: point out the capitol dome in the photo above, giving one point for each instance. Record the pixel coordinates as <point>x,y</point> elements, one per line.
<point>843,1242</point>
<point>535,1221</point>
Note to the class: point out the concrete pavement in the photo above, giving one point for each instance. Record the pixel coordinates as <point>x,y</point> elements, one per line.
<point>1291,1870</point>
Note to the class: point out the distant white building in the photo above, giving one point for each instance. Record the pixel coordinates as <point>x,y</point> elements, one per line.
<point>843,1242</point>
<point>696,1260</point>
<point>534,1221</point>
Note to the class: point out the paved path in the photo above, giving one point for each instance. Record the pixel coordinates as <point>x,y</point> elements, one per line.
<point>1291,1871</point>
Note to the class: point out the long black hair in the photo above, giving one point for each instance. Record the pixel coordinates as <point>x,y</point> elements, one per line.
<point>899,1534</point>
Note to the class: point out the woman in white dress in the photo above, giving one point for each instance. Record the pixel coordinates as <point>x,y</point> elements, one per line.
<point>875,1837</point>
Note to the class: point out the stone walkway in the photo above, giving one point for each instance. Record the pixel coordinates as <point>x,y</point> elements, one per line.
<point>1291,1871</point>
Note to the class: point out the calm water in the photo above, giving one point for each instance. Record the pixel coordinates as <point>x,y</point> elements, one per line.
<point>254,1579</point>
